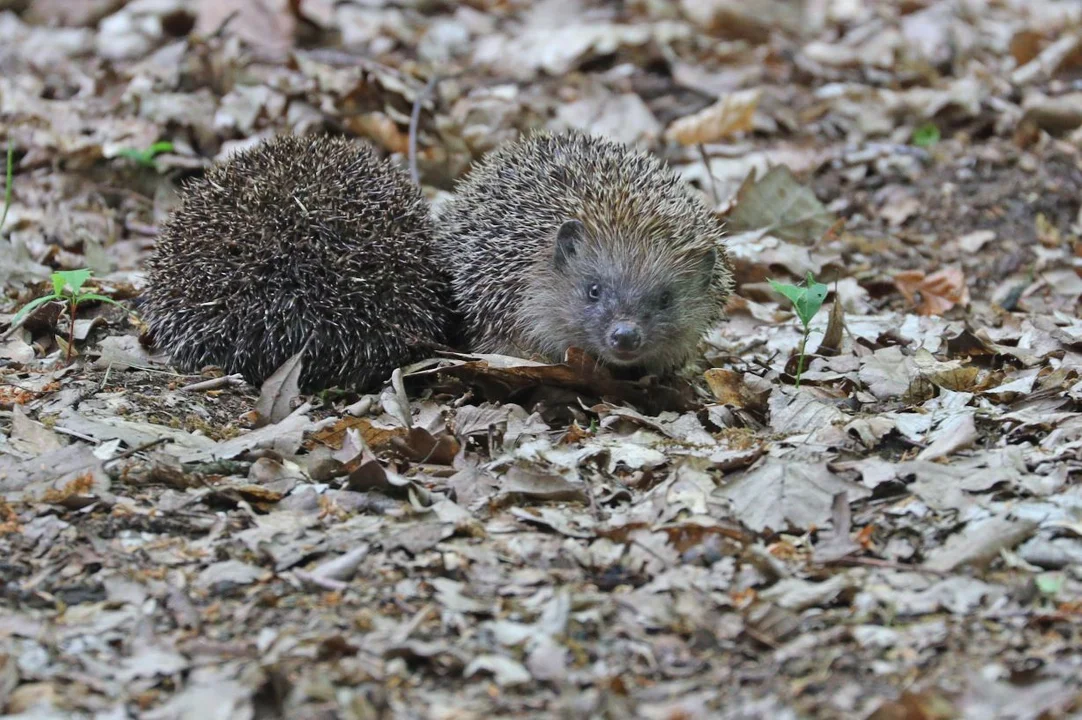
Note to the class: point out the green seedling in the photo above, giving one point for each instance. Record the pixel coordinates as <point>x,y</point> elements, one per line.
<point>926,135</point>
<point>806,303</point>
<point>146,157</point>
<point>1050,584</point>
<point>8,175</point>
<point>67,288</point>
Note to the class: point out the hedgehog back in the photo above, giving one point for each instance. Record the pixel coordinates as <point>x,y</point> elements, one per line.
<point>298,238</point>
<point>498,237</point>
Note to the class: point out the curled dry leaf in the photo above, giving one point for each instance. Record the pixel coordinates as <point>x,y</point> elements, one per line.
<point>938,292</point>
<point>375,436</point>
<point>278,392</point>
<point>832,338</point>
<point>753,21</point>
<point>980,542</point>
<point>579,374</point>
<point>1048,61</point>
<point>950,375</point>
<point>730,389</point>
<point>958,433</point>
<point>422,446</point>
<point>540,486</point>
<point>731,115</point>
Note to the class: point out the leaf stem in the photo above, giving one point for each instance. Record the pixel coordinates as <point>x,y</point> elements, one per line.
<point>800,360</point>
<point>71,329</point>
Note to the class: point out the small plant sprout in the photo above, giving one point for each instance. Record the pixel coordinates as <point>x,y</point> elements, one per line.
<point>146,156</point>
<point>67,288</point>
<point>806,303</point>
<point>926,135</point>
<point>9,174</point>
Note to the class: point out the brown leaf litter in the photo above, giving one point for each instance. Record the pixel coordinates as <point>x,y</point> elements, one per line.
<point>490,536</point>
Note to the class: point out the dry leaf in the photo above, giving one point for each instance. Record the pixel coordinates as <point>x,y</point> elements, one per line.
<point>951,436</point>
<point>731,115</point>
<point>268,24</point>
<point>729,389</point>
<point>278,392</point>
<point>783,494</point>
<point>781,206</point>
<point>939,292</point>
<point>832,338</point>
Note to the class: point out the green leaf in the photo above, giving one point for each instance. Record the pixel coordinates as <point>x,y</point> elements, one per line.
<point>926,135</point>
<point>1049,583</point>
<point>792,292</point>
<point>806,300</point>
<point>70,278</point>
<point>29,308</point>
<point>142,157</point>
<point>146,157</point>
<point>813,300</point>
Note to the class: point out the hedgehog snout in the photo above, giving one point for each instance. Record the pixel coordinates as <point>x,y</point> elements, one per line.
<point>625,337</point>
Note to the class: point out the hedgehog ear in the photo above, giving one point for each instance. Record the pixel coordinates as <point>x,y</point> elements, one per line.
<point>567,237</point>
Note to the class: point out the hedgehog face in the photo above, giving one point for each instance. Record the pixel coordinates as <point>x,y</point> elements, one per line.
<point>625,306</point>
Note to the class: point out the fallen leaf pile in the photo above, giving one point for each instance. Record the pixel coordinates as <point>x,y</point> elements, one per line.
<point>898,537</point>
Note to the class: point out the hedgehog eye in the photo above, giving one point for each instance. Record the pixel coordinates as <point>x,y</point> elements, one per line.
<point>594,292</point>
<point>665,300</point>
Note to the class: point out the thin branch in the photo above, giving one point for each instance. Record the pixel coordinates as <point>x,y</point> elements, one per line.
<point>415,119</point>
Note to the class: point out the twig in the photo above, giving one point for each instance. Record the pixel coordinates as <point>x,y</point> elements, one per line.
<point>141,228</point>
<point>220,30</point>
<point>761,638</point>
<point>415,622</point>
<point>214,383</point>
<point>888,564</point>
<point>137,449</point>
<point>9,174</point>
<point>710,174</point>
<point>75,434</point>
<point>324,583</point>
<point>415,119</point>
<point>20,388</point>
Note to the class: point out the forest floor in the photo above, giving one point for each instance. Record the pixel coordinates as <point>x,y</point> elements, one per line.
<point>898,537</point>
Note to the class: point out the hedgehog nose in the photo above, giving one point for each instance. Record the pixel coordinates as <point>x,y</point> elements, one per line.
<point>625,337</point>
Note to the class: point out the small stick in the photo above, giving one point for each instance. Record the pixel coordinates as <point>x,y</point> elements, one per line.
<point>324,583</point>
<point>137,449</point>
<point>214,383</point>
<point>888,564</point>
<point>415,622</point>
<point>75,434</point>
<point>710,174</point>
<point>415,119</point>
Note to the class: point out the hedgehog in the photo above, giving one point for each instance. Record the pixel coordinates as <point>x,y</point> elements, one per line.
<point>570,240</point>
<point>299,242</point>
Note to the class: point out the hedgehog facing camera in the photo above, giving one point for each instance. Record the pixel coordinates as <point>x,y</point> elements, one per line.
<point>299,240</point>
<point>568,240</point>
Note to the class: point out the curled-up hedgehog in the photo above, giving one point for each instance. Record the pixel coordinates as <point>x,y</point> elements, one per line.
<point>567,240</point>
<point>299,239</point>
